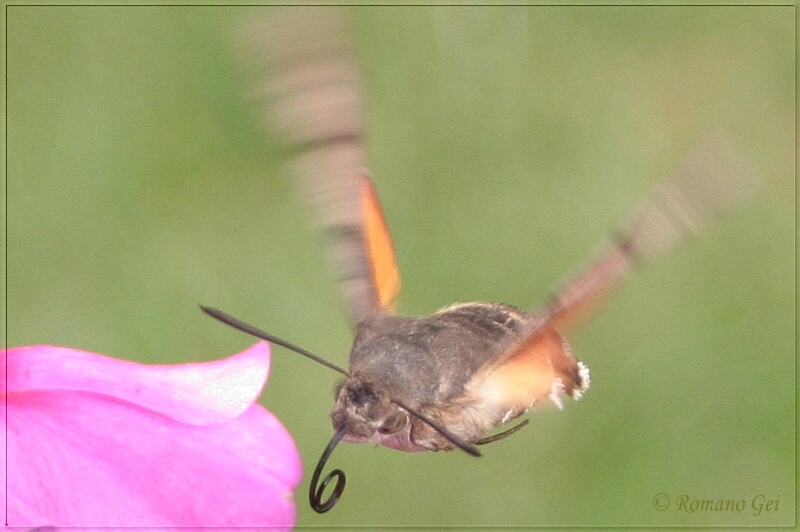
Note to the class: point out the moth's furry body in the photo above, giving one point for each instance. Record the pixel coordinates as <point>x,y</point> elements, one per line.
<point>441,366</point>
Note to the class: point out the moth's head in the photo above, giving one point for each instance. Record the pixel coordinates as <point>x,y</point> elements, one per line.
<point>369,415</point>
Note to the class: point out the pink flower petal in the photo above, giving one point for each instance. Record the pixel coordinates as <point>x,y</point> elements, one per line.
<point>89,458</point>
<point>199,393</point>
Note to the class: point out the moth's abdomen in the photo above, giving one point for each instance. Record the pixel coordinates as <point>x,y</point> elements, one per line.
<point>538,369</point>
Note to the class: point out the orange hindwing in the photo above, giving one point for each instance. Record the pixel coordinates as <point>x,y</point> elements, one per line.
<point>385,275</point>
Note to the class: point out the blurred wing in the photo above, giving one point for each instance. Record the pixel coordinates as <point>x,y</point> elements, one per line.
<point>709,180</point>
<point>541,364</point>
<point>308,81</point>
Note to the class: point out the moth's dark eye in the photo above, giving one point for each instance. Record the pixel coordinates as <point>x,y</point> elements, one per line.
<point>362,394</point>
<point>394,423</point>
<point>362,397</point>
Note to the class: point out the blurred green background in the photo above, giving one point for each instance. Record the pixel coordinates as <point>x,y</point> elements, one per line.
<point>506,143</point>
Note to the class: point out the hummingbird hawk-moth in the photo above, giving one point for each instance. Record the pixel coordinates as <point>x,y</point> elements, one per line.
<point>446,380</point>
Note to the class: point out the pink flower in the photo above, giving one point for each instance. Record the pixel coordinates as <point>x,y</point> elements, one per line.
<point>95,441</point>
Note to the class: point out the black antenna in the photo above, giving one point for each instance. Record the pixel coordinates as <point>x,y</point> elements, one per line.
<point>315,489</point>
<point>258,333</point>
<point>455,440</point>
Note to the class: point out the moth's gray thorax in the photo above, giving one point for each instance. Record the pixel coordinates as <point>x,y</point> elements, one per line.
<point>427,361</point>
